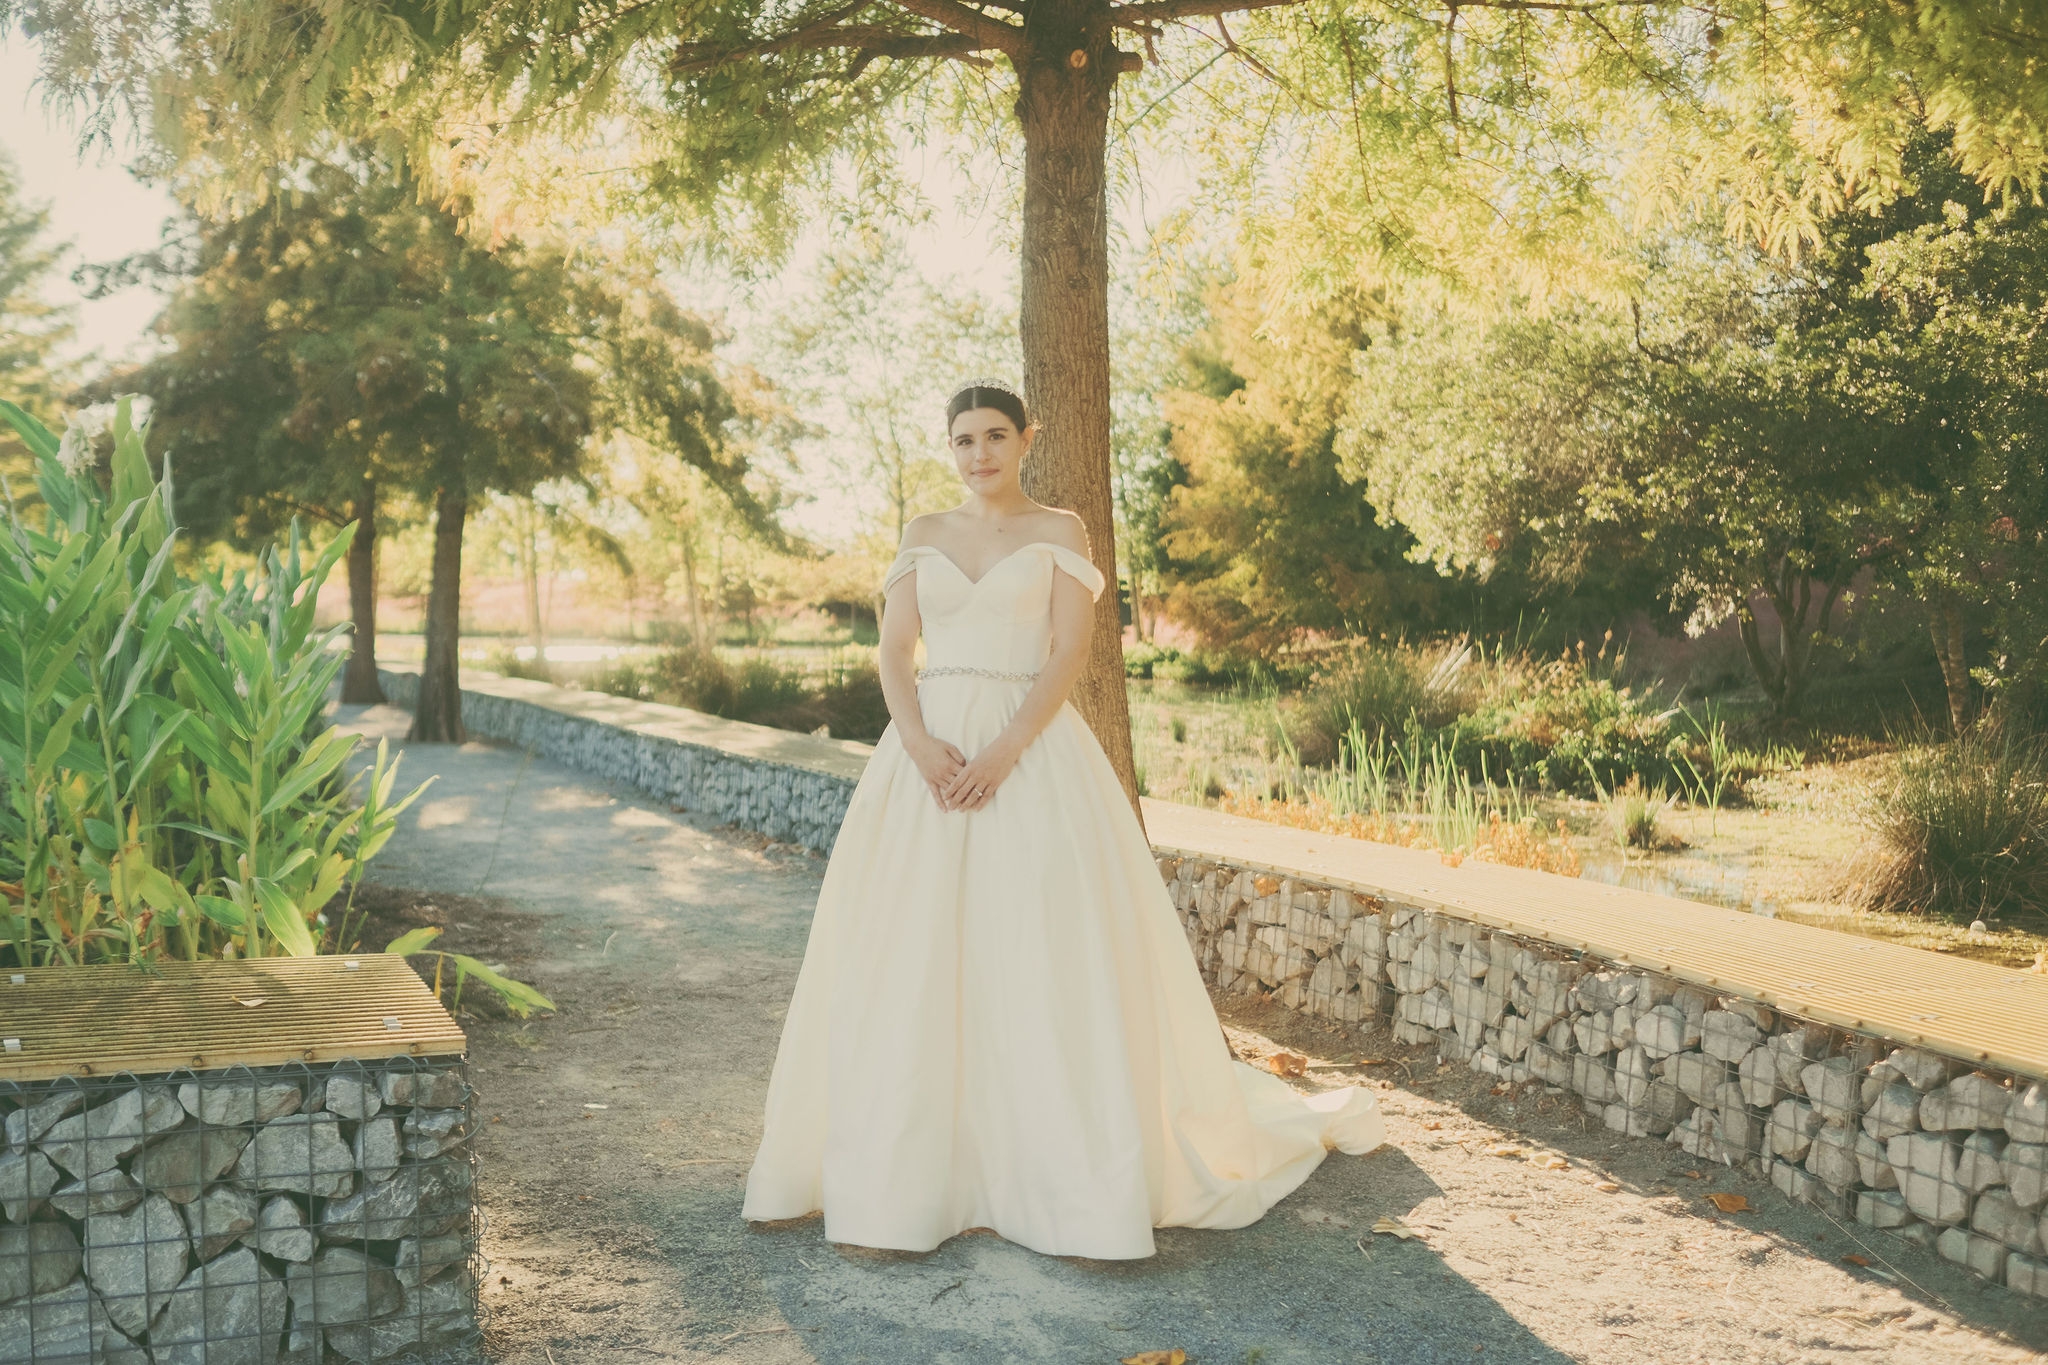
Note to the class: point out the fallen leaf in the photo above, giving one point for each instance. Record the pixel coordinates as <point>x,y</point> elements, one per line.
<point>1450,859</point>
<point>1394,1227</point>
<point>1503,1149</point>
<point>1287,1064</point>
<point>252,1002</point>
<point>1730,1203</point>
<point>1555,1163</point>
<point>1695,1175</point>
<point>1432,1125</point>
<point>1607,1187</point>
<point>1857,1260</point>
<point>1174,1357</point>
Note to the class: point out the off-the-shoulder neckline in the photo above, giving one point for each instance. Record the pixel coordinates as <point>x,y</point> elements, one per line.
<point>1028,545</point>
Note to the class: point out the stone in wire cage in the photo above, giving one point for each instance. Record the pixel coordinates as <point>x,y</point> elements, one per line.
<point>245,1216</point>
<point>1926,1147</point>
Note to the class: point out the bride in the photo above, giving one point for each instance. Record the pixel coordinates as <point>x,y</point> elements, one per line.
<point>998,1023</point>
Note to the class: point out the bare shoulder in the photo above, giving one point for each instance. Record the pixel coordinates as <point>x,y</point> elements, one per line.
<point>920,530</point>
<point>1065,529</point>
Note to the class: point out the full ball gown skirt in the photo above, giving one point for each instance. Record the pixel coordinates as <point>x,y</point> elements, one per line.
<point>998,1022</point>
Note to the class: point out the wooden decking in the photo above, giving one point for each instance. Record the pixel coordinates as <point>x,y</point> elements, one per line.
<point>1989,1016</point>
<point>102,1020</point>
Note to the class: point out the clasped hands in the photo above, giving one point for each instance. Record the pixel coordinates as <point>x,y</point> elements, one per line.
<point>958,782</point>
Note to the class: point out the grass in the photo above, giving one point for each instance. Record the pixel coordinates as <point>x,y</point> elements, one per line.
<point>1962,829</point>
<point>842,699</point>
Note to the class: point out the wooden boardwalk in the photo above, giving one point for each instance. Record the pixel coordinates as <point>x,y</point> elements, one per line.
<point>105,1019</point>
<point>1985,1015</point>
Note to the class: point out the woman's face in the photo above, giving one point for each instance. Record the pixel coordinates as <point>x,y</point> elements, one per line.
<point>988,449</point>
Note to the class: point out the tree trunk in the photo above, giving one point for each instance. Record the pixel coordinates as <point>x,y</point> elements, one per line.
<point>1065,76</point>
<point>529,558</point>
<point>696,600</point>
<point>1768,675</point>
<point>1945,628</point>
<point>359,685</point>
<point>438,716</point>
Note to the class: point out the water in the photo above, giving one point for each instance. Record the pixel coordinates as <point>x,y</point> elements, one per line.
<point>1715,883</point>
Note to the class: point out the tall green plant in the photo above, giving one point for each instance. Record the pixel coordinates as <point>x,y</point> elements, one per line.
<point>170,785</point>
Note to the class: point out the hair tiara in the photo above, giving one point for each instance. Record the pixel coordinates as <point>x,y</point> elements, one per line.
<point>996,384</point>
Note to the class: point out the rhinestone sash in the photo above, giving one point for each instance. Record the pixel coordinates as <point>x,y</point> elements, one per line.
<point>945,669</point>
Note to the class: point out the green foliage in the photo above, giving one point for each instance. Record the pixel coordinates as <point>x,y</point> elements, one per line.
<point>1562,724</point>
<point>847,699</point>
<point>1746,431</point>
<point>170,786</point>
<point>1963,829</point>
<point>1202,667</point>
<point>1264,541</point>
<point>31,328</point>
<point>518,997</point>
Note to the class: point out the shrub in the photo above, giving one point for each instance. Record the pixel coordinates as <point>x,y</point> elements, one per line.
<point>1963,829</point>
<point>1554,724</point>
<point>1383,690</point>
<point>169,786</point>
<point>847,700</point>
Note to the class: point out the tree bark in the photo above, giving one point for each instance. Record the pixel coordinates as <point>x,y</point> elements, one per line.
<point>359,685</point>
<point>529,561</point>
<point>1065,74</point>
<point>438,716</point>
<point>1945,628</point>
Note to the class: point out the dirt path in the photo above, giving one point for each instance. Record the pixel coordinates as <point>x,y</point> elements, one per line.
<point>621,1130</point>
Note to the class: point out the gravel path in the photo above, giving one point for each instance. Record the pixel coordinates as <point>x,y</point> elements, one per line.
<point>620,1131</point>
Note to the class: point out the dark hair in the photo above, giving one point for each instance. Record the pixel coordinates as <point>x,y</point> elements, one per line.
<point>976,396</point>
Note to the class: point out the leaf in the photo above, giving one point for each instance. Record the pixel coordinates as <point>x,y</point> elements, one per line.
<point>1554,1163</point>
<point>519,997</point>
<point>221,911</point>
<point>1174,1357</point>
<point>1503,1149</point>
<point>413,940</point>
<point>284,920</point>
<point>252,1002</point>
<point>1394,1227</point>
<point>1607,1187</point>
<point>1730,1203</point>
<point>1287,1064</point>
<point>1853,1259</point>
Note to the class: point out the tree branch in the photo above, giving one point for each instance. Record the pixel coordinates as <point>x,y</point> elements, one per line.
<point>871,41</point>
<point>1158,11</point>
<point>985,29</point>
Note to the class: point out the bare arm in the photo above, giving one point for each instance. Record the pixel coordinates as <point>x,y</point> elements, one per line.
<point>896,660</point>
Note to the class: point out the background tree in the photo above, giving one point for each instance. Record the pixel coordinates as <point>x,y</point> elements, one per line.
<point>1266,542</point>
<point>350,341</point>
<point>32,329</point>
<point>869,354</point>
<point>1429,126</point>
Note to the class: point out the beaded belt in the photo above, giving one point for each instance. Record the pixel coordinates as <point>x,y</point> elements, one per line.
<point>996,673</point>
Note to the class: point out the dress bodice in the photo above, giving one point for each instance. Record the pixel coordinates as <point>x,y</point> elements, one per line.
<point>1002,620</point>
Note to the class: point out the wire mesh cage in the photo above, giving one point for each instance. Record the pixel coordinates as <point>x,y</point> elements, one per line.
<point>1931,1143</point>
<point>294,1213</point>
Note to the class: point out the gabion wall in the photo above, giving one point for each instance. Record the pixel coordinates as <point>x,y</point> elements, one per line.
<point>292,1214</point>
<point>781,800</point>
<point>1892,1137</point>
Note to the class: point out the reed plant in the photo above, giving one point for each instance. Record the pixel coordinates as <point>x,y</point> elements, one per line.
<point>169,785</point>
<point>1416,797</point>
<point>1962,830</point>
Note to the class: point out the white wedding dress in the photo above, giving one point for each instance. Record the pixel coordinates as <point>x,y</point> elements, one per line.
<point>999,1022</point>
